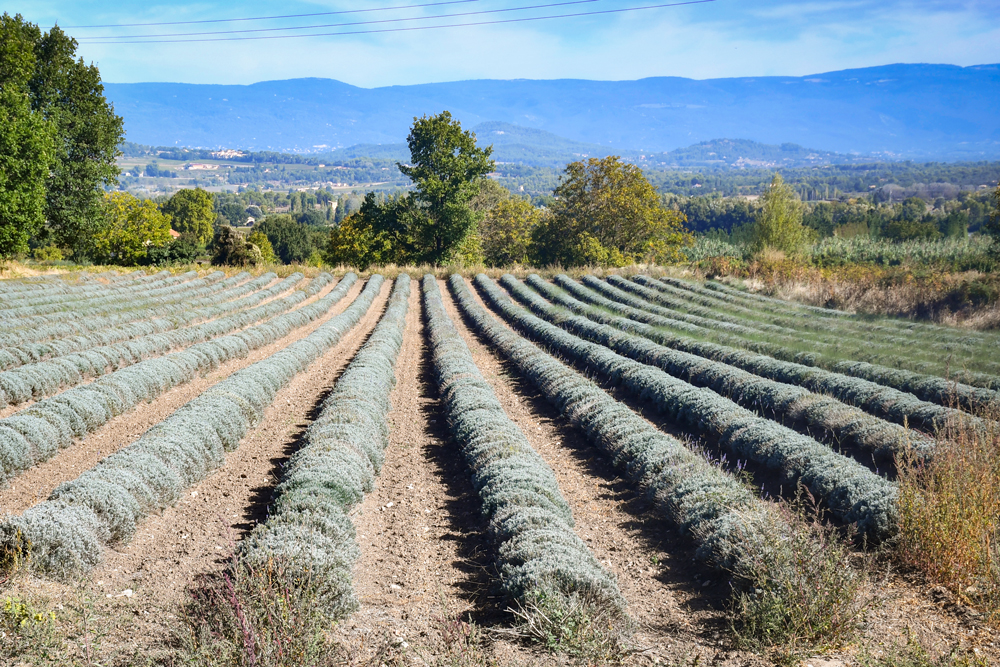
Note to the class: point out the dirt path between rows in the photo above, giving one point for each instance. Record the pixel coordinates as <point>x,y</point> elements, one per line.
<point>35,484</point>
<point>419,529</point>
<point>676,605</point>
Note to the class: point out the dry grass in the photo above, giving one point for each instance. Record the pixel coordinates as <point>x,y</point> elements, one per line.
<point>950,515</point>
<point>966,298</point>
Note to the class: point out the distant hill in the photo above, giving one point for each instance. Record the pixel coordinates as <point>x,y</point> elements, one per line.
<point>931,112</point>
<point>745,153</point>
<point>511,143</point>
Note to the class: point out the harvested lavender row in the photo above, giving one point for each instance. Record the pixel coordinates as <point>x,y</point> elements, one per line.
<point>749,334</point>
<point>308,529</point>
<point>68,532</point>
<point>11,289</point>
<point>63,326</point>
<point>885,402</point>
<point>716,510</point>
<point>45,378</point>
<point>858,330</point>
<point>36,433</point>
<point>836,341</point>
<point>59,289</point>
<point>772,304</point>
<point>196,309</point>
<point>90,294</point>
<point>927,387</point>
<point>705,329</point>
<point>848,425</point>
<point>853,493</point>
<point>168,307</point>
<point>540,557</point>
<point>31,316</point>
<point>864,348</point>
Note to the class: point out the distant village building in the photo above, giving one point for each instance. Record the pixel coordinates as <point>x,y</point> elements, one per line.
<point>198,166</point>
<point>175,234</point>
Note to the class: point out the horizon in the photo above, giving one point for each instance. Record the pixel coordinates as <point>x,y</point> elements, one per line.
<point>645,78</point>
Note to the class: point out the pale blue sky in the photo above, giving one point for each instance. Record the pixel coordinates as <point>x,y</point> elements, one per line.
<point>723,38</point>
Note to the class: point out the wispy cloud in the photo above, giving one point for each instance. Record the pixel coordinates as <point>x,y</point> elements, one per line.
<point>719,39</point>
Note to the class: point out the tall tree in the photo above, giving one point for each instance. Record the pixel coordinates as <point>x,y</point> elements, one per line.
<point>289,239</point>
<point>192,212</point>
<point>607,213</point>
<point>27,140</point>
<point>779,220</point>
<point>446,169</point>
<point>69,93</point>
<point>131,226</point>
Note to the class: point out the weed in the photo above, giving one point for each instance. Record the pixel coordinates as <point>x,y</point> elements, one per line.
<point>799,591</point>
<point>949,508</point>
<point>575,626</point>
<point>258,615</point>
<point>27,631</point>
<point>915,654</point>
<point>463,643</point>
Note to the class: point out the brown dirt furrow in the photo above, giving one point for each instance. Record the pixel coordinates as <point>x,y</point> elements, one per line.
<point>675,604</point>
<point>35,484</point>
<point>196,535</point>
<point>418,530</point>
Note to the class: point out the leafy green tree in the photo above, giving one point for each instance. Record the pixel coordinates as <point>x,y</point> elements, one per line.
<point>130,226</point>
<point>27,140</point>
<point>289,239</point>
<point>992,226</point>
<point>259,239</point>
<point>778,223</point>
<point>506,231</point>
<point>70,94</point>
<point>182,250</point>
<point>192,212</point>
<point>378,233</point>
<point>231,249</point>
<point>607,213</point>
<point>446,169</point>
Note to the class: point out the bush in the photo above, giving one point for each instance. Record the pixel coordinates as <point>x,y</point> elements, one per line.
<point>308,529</point>
<point>230,249</point>
<point>542,561</point>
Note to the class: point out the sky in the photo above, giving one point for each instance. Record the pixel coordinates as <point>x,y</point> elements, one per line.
<point>710,39</point>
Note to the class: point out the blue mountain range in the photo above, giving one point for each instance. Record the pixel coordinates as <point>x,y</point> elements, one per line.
<point>906,111</point>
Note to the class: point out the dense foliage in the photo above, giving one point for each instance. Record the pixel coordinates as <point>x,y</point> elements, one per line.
<point>55,105</point>
<point>191,212</point>
<point>607,213</point>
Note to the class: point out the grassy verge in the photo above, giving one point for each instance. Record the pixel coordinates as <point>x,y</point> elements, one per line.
<point>950,514</point>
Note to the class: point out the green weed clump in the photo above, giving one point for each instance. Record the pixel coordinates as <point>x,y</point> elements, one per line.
<point>949,509</point>
<point>799,591</point>
<point>26,630</point>
<point>264,614</point>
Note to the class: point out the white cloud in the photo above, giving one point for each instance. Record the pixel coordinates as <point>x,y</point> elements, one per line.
<point>722,39</point>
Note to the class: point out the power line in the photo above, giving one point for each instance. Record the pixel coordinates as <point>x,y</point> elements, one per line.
<point>270,18</point>
<point>407,29</point>
<point>344,25</point>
